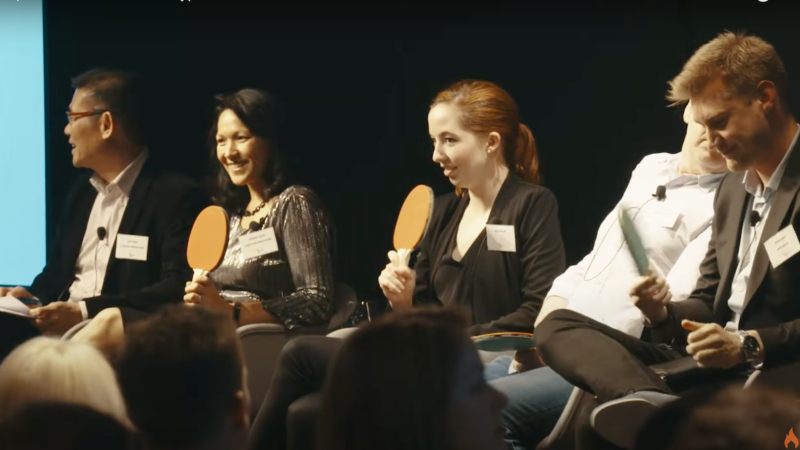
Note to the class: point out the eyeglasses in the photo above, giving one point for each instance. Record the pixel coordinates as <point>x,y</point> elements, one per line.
<point>73,116</point>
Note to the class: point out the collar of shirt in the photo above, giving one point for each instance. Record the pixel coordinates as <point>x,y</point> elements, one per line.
<point>706,182</point>
<point>124,181</point>
<point>752,183</point>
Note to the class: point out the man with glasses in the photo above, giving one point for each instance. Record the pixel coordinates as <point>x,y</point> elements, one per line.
<point>121,241</point>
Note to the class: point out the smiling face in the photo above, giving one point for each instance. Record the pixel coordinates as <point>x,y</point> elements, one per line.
<point>737,126</point>
<point>86,134</point>
<point>242,154</point>
<point>462,155</point>
<point>474,421</point>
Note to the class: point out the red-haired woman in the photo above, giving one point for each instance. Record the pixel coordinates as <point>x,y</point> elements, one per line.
<point>466,258</point>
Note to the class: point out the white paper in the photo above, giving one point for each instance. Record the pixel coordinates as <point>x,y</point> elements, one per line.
<point>130,246</point>
<point>10,305</point>
<point>501,238</point>
<point>782,246</point>
<point>257,243</point>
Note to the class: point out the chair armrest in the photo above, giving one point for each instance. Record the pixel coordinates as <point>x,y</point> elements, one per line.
<point>342,332</point>
<point>74,330</point>
<point>570,410</point>
<point>259,328</point>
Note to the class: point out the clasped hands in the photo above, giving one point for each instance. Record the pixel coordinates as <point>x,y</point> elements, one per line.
<point>203,291</point>
<point>709,344</point>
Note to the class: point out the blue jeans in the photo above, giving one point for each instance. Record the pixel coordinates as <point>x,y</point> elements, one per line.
<point>535,401</point>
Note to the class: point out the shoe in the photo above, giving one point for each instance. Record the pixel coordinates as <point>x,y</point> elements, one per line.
<point>619,421</point>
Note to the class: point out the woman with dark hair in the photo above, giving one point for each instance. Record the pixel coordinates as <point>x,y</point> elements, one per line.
<point>491,159</point>
<point>291,283</point>
<point>376,396</point>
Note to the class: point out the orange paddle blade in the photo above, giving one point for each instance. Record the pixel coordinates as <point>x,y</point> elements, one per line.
<point>208,240</point>
<point>414,218</point>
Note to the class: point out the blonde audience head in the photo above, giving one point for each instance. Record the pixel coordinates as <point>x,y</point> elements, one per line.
<point>50,370</point>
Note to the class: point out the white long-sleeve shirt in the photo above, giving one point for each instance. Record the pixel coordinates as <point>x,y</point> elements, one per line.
<point>675,232</point>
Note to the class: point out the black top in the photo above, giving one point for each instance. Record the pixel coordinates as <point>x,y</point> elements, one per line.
<point>162,207</point>
<point>503,290</point>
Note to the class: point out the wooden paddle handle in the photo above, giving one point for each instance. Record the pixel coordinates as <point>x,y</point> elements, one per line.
<point>400,258</point>
<point>198,273</point>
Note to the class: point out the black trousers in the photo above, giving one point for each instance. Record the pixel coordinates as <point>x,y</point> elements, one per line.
<point>599,359</point>
<point>14,331</point>
<point>301,370</point>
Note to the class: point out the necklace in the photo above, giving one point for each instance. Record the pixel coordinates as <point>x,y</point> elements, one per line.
<point>255,211</point>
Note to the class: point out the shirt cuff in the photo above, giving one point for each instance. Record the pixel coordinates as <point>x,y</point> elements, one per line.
<point>84,311</point>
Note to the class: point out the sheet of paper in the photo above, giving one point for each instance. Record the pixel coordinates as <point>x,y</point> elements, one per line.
<point>10,305</point>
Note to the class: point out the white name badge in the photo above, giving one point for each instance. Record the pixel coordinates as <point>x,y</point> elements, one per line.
<point>501,238</point>
<point>782,246</point>
<point>662,216</point>
<point>130,246</point>
<point>257,243</point>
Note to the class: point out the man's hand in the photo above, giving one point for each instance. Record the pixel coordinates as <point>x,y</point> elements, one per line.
<point>651,295</point>
<point>525,360</point>
<point>17,292</point>
<point>712,346</point>
<point>57,317</point>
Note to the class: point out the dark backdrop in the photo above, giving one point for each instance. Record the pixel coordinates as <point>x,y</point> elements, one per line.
<point>589,80</point>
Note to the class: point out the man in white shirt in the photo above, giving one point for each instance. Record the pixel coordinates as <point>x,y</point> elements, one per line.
<point>121,240</point>
<point>670,197</point>
<point>744,311</point>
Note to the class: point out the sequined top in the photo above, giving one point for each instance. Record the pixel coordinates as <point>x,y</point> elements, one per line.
<point>296,283</point>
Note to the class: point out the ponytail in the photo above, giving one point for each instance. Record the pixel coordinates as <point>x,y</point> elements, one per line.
<point>525,161</point>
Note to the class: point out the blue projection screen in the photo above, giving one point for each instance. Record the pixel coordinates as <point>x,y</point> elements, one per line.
<point>22,136</point>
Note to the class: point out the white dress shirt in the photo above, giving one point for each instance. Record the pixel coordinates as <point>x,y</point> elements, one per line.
<point>760,200</point>
<point>107,211</point>
<point>675,232</point>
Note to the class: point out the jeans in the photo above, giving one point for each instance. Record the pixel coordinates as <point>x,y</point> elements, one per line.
<point>535,401</point>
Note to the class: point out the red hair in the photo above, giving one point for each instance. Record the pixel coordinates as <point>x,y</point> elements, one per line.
<point>486,107</point>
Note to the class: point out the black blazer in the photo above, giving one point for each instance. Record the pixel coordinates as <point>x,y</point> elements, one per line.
<point>504,291</point>
<point>161,206</point>
<point>772,300</point>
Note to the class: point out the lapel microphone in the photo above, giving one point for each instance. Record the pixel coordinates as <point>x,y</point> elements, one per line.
<point>755,217</point>
<point>254,225</point>
<point>101,233</point>
<point>661,192</point>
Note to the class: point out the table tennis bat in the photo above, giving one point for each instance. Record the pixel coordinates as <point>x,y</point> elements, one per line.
<point>208,240</point>
<point>634,241</point>
<point>412,224</point>
<point>504,341</point>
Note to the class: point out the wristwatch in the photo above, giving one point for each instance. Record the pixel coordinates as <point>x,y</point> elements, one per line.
<point>750,348</point>
<point>237,310</point>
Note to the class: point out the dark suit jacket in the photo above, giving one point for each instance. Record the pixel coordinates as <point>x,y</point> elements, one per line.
<point>772,301</point>
<point>504,291</point>
<point>161,206</point>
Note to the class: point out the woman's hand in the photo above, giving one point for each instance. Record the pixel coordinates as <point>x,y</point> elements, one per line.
<point>202,291</point>
<point>397,284</point>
